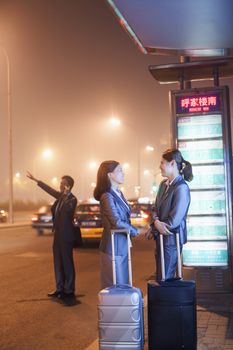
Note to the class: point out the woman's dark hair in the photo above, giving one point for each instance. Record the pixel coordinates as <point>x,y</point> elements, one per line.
<point>103,183</point>
<point>184,167</point>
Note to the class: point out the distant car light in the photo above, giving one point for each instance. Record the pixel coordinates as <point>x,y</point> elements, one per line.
<point>34,218</point>
<point>144,215</point>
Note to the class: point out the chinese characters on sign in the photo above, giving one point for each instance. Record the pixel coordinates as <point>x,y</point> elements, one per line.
<point>200,103</point>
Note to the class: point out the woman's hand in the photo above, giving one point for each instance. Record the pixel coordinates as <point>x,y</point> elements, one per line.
<point>142,231</point>
<point>149,235</point>
<point>162,227</point>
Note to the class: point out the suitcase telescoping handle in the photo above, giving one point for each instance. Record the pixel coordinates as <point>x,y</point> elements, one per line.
<point>178,256</point>
<point>126,232</point>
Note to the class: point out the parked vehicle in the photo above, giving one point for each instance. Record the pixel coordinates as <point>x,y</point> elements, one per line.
<point>87,217</point>
<point>3,215</point>
<point>42,220</point>
<point>89,220</point>
<point>140,214</point>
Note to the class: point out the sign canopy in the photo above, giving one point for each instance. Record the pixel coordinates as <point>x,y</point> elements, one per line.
<point>178,27</point>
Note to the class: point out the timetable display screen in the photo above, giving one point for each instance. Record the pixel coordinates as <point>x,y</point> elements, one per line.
<point>200,132</point>
<point>207,227</point>
<point>205,151</point>
<point>208,176</point>
<point>199,127</point>
<point>207,202</point>
<point>205,254</point>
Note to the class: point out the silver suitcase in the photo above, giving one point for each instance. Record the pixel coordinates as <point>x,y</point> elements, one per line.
<point>120,311</point>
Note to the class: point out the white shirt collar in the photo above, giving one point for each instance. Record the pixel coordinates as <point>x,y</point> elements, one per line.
<point>118,192</point>
<point>169,183</point>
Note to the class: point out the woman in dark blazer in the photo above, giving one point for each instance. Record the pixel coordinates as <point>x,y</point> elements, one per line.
<point>171,208</point>
<point>115,213</point>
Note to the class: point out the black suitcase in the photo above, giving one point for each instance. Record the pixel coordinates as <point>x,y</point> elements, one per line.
<point>172,323</point>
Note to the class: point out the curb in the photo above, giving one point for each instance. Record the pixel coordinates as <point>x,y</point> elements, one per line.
<point>16,224</point>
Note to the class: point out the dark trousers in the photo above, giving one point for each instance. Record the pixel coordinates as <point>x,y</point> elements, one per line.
<point>170,258</point>
<point>64,266</point>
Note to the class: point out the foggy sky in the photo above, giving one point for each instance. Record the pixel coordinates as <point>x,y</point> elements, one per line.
<point>72,68</point>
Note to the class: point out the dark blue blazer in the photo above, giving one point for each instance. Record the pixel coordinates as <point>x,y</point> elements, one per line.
<point>115,215</point>
<point>63,219</point>
<point>172,206</point>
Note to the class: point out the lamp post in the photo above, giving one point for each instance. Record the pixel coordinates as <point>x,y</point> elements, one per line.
<point>90,179</point>
<point>10,148</point>
<point>115,122</point>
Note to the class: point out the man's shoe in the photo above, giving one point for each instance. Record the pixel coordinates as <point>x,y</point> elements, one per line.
<point>69,299</point>
<point>68,295</point>
<point>56,294</point>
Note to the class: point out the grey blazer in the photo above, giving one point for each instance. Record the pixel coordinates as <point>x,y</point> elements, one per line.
<point>115,215</point>
<point>172,207</point>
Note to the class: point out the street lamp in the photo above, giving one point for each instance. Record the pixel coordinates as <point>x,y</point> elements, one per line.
<point>125,166</point>
<point>92,165</point>
<point>150,173</point>
<point>54,181</point>
<point>146,172</point>
<point>10,153</point>
<point>47,153</point>
<point>115,122</point>
<point>149,148</point>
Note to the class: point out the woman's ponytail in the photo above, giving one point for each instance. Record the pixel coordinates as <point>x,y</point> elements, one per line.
<point>186,170</point>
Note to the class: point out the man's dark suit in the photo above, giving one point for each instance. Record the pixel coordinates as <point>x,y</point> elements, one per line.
<point>63,212</point>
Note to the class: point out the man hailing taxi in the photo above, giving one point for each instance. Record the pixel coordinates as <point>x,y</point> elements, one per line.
<point>63,212</point>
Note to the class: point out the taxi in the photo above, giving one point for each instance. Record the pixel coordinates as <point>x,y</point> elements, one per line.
<point>88,218</point>
<point>140,214</point>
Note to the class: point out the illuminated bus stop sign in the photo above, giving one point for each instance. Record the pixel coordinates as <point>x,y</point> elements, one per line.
<point>198,104</point>
<point>201,131</point>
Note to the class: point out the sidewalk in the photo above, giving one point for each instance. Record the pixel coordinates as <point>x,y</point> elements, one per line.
<point>214,322</point>
<point>214,316</point>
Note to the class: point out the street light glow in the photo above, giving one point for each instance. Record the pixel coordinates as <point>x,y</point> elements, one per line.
<point>17,175</point>
<point>47,153</point>
<point>125,166</point>
<point>115,121</point>
<point>92,165</point>
<point>54,180</point>
<point>149,148</point>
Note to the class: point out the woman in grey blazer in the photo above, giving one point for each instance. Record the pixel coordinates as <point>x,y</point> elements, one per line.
<point>115,213</point>
<point>171,208</point>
